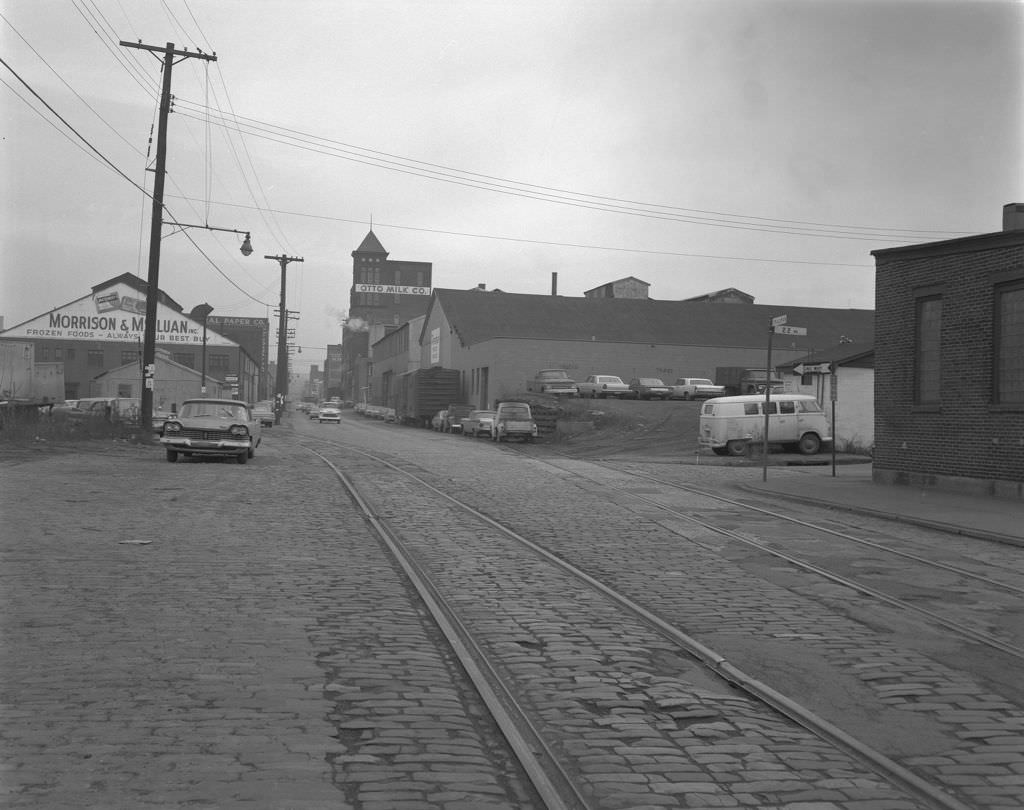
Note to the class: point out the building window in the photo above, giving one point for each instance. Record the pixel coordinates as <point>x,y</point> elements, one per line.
<point>71,356</point>
<point>124,390</point>
<point>46,353</point>
<point>128,357</point>
<point>95,359</point>
<point>927,345</point>
<point>58,354</point>
<point>218,362</point>
<point>1009,344</point>
<point>187,359</point>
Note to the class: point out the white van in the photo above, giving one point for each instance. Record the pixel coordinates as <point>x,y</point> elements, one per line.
<point>796,421</point>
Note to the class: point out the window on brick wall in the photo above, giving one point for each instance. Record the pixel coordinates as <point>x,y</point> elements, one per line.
<point>927,356</point>
<point>1009,344</point>
<point>218,362</point>
<point>95,358</point>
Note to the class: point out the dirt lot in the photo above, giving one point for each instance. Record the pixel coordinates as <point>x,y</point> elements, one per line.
<point>612,427</point>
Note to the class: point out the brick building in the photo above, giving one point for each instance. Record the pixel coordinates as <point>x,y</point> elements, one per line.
<point>949,362</point>
<point>385,293</point>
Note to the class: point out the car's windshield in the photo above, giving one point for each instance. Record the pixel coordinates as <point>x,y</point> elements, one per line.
<point>552,375</point>
<point>651,381</point>
<point>222,410</point>
<point>516,412</point>
<point>609,380</point>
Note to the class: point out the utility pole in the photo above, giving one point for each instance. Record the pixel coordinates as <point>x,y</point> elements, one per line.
<point>281,384</point>
<point>156,227</point>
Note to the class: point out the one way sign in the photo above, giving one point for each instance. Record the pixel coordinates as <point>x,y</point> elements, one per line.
<point>812,368</point>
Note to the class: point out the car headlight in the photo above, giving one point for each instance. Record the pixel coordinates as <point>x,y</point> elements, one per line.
<point>239,430</point>
<point>172,427</point>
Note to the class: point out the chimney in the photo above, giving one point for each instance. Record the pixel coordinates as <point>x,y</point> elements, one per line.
<point>554,283</point>
<point>1013,217</point>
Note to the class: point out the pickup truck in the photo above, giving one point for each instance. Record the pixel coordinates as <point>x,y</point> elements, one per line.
<point>696,388</point>
<point>599,386</point>
<point>552,381</point>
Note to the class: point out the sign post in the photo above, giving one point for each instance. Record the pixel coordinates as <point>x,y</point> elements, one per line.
<point>777,325</point>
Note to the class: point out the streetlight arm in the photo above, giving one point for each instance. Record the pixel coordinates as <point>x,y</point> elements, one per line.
<point>246,247</point>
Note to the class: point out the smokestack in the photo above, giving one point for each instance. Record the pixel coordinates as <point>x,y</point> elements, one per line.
<point>554,283</point>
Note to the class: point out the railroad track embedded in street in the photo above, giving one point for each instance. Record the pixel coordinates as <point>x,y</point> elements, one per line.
<point>506,600</point>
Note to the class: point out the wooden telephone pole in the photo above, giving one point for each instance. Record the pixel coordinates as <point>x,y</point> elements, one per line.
<point>153,281</point>
<point>281,385</point>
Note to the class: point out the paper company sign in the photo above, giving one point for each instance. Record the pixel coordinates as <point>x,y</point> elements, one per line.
<point>392,289</point>
<point>114,315</point>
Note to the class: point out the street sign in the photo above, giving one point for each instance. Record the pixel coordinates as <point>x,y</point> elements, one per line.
<point>778,320</point>
<point>790,330</point>
<point>812,368</point>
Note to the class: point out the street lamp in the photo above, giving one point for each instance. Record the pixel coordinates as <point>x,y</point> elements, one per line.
<point>245,249</point>
<point>202,311</point>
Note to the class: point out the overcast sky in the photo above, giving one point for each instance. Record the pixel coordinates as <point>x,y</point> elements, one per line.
<point>767,145</point>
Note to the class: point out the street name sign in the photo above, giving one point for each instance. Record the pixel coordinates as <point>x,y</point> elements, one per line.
<point>790,330</point>
<point>778,320</point>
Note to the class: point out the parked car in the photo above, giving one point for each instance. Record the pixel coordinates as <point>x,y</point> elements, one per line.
<point>513,420</point>
<point>313,412</point>
<point>599,386</point>
<point>127,410</point>
<point>695,388</point>
<point>329,412</point>
<point>453,421</point>
<point>437,421</point>
<point>649,388</point>
<point>212,427</point>
<point>478,423</point>
<point>554,381</point>
<point>264,411</point>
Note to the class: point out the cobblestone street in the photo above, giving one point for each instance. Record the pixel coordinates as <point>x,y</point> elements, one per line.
<point>214,635</point>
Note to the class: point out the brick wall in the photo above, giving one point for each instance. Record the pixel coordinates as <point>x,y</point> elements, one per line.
<point>964,441</point>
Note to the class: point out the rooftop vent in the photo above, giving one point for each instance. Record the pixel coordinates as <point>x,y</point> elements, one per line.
<point>1013,217</point>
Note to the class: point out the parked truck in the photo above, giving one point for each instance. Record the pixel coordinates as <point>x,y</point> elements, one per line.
<point>738,380</point>
<point>553,381</point>
<point>421,393</point>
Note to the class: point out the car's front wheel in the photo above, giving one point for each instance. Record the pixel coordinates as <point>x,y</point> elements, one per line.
<point>172,455</point>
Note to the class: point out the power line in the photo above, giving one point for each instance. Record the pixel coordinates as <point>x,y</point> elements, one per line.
<point>551,243</point>
<point>367,156</point>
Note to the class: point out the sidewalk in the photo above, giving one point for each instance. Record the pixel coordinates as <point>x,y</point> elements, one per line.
<point>851,488</point>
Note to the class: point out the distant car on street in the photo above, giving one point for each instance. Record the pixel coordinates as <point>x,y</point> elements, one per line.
<point>329,412</point>
<point>478,423</point>
<point>454,417</point>
<point>599,386</point>
<point>212,427</point>
<point>264,411</point>
<point>513,420</point>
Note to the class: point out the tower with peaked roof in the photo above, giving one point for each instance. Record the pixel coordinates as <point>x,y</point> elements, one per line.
<point>385,293</point>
